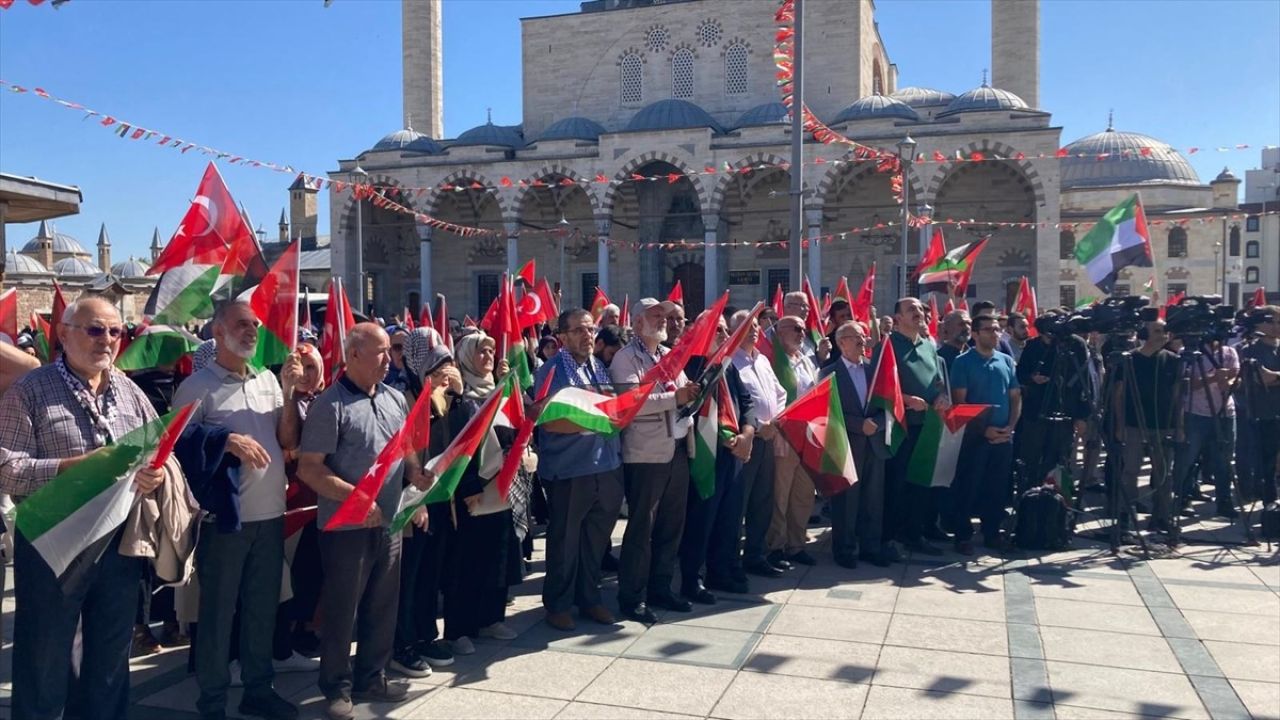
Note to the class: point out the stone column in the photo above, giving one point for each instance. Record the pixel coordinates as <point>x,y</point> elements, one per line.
<point>513,245</point>
<point>711,260</point>
<point>425,233</point>
<point>604,224</point>
<point>813,219</point>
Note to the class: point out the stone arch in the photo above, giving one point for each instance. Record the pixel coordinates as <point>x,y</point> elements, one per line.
<point>385,183</point>
<point>839,174</point>
<point>611,194</point>
<point>463,178</point>
<point>551,170</point>
<point>756,161</point>
<point>1014,257</point>
<point>1006,154</point>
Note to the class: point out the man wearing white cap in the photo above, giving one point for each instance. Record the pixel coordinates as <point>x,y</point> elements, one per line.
<point>655,465</point>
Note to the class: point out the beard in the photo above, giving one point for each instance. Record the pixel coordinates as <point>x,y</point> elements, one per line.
<point>244,351</point>
<point>656,334</point>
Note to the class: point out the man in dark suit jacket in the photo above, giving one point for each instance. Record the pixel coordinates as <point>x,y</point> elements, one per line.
<point>857,513</point>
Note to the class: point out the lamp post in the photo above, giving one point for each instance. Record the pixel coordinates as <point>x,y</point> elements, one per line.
<point>358,176</point>
<point>906,153</point>
<point>1217,285</point>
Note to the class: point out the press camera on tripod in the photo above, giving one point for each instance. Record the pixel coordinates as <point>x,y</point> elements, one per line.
<point>1197,319</point>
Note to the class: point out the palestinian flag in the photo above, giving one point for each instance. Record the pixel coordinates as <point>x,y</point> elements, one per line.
<point>183,294</point>
<point>695,341</point>
<point>779,307</point>
<point>717,422</point>
<point>54,336</point>
<point>275,302</point>
<point>886,394</point>
<point>814,427</point>
<point>936,250</point>
<point>9,316</point>
<point>503,323</point>
<point>510,415</point>
<point>244,266</point>
<point>1119,240</point>
<point>933,463</point>
<point>78,510</point>
<point>598,304</point>
<point>677,294</point>
<point>1025,303</point>
<point>1086,301</point>
<point>338,321</point>
<point>448,465</point>
<point>524,436</point>
<point>815,323</point>
<point>42,337</point>
<point>950,274</point>
<point>414,436</point>
<point>210,224</point>
<point>594,412</point>
<point>729,346</point>
<point>781,364</point>
<point>156,345</point>
<point>527,273</point>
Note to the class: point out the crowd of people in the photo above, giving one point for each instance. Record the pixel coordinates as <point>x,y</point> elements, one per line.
<point>259,595</point>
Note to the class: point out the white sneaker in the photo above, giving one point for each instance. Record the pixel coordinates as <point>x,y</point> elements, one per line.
<point>296,663</point>
<point>498,631</point>
<point>463,646</point>
<point>236,681</point>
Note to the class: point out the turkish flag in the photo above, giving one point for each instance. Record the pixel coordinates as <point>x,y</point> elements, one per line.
<point>861,305</point>
<point>212,222</point>
<point>677,294</point>
<point>527,273</point>
<point>338,321</point>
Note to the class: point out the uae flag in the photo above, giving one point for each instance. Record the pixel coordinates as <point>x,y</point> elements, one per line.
<point>933,462</point>
<point>275,302</point>
<point>950,274</point>
<point>1119,240</point>
<point>814,427</point>
<point>449,465</point>
<point>413,437</point>
<point>155,346</point>
<point>886,394</point>
<point>593,412</point>
<point>717,422</point>
<point>70,519</point>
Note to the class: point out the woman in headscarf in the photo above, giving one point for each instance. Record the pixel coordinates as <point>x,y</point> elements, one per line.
<point>427,541</point>
<point>488,542</point>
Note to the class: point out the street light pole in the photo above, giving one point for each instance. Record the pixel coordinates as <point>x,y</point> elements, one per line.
<point>797,151</point>
<point>358,176</point>
<point>906,154</point>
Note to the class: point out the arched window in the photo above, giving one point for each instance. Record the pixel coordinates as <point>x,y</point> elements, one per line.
<point>1233,243</point>
<point>1177,242</point>
<point>735,70</point>
<point>877,78</point>
<point>1251,249</point>
<point>1067,245</point>
<point>1251,275</point>
<point>632,80</point>
<point>682,73</point>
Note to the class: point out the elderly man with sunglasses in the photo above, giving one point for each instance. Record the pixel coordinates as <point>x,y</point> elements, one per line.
<point>50,420</point>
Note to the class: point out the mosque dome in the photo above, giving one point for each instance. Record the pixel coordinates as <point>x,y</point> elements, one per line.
<point>63,244</point>
<point>982,99</point>
<point>409,140</point>
<point>672,114</point>
<point>15,264</point>
<point>510,136</point>
<point>573,128</point>
<point>920,97</point>
<point>1135,159</point>
<point>74,267</point>
<point>130,269</point>
<point>874,107</point>
<point>774,113</point>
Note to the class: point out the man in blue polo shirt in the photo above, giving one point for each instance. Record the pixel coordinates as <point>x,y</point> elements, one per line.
<point>985,376</point>
<point>582,473</point>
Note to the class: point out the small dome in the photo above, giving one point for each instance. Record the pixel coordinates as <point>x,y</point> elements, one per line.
<point>63,244</point>
<point>1226,176</point>
<point>774,113</point>
<point>489,134</point>
<point>874,107</point>
<point>984,98</point>
<point>672,115</point>
<point>74,267</point>
<point>130,269</point>
<point>920,97</point>
<point>408,140</point>
<point>1134,159</point>
<point>573,128</point>
<point>15,264</point>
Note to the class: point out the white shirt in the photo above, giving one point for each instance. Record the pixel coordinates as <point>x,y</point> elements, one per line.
<point>805,371</point>
<point>766,392</point>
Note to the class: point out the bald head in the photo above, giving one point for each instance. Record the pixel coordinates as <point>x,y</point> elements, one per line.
<point>368,354</point>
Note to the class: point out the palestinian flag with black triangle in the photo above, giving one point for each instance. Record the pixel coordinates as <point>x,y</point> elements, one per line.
<point>275,302</point>
<point>595,412</point>
<point>717,422</point>
<point>886,394</point>
<point>1119,240</point>
<point>933,462</point>
<point>950,274</point>
<point>814,427</point>
<point>156,346</point>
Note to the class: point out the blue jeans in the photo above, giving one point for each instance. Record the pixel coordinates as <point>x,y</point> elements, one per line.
<point>1213,438</point>
<point>45,625</point>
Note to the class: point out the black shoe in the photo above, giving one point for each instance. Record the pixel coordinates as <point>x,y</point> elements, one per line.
<point>436,653</point>
<point>802,558</point>
<point>729,585</point>
<point>847,560</point>
<point>698,594</point>
<point>762,567</point>
<point>667,601</point>
<point>268,705</point>
<point>640,613</point>
<point>411,665</point>
<point>879,559</point>
<point>610,563</point>
<point>1196,495</point>
<point>1225,510</point>
<point>381,691</point>
<point>306,643</point>
<point>1187,511</point>
<point>776,559</point>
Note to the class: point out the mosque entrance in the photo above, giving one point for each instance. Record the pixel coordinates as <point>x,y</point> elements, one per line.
<point>692,278</point>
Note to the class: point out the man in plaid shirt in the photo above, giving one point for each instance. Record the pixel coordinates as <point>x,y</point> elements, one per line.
<point>50,420</point>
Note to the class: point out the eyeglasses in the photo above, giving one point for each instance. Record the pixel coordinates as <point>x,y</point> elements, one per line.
<point>583,330</point>
<point>97,331</point>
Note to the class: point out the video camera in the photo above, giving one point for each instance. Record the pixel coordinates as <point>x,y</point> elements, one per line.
<point>1247,321</point>
<point>1197,319</point>
<point>1112,316</point>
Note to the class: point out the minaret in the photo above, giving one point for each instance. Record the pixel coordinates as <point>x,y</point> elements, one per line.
<point>423,65</point>
<point>284,227</point>
<point>104,250</point>
<point>44,244</point>
<point>304,210</point>
<point>1015,48</point>
<point>155,245</point>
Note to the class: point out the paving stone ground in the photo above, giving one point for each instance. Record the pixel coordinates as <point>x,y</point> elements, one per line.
<point>1193,633</point>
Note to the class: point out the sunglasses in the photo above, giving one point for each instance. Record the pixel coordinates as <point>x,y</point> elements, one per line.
<point>97,331</point>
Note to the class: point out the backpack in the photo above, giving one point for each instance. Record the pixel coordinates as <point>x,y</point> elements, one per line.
<point>1043,520</point>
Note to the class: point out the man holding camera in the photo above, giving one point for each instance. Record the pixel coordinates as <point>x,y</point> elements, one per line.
<point>1057,396</point>
<point>1260,362</point>
<point>1143,397</point>
<point>1209,424</point>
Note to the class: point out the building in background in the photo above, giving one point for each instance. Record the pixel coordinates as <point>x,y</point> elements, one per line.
<point>1262,231</point>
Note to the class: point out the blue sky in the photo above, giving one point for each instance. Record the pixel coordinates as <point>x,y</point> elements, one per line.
<point>294,82</point>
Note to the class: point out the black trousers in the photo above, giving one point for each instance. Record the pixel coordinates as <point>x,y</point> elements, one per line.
<point>362,606</point>
<point>907,505</point>
<point>711,526</point>
<point>1264,433</point>
<point>982,488</point>
<point>756,479</point>
<point>657,497</point>
<point>857,514</point>
<point>583,511</point>
<point>422,562</point>
<point>1043,444</point>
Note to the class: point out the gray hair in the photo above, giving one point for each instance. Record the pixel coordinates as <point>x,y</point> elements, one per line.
<point>69,313</point>
<point>220,312</point>
<point>736,319</point>
<point>797,296</point>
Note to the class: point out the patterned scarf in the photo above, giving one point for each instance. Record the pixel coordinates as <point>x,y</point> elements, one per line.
<point>101,416</point>
<point>595,373</point>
